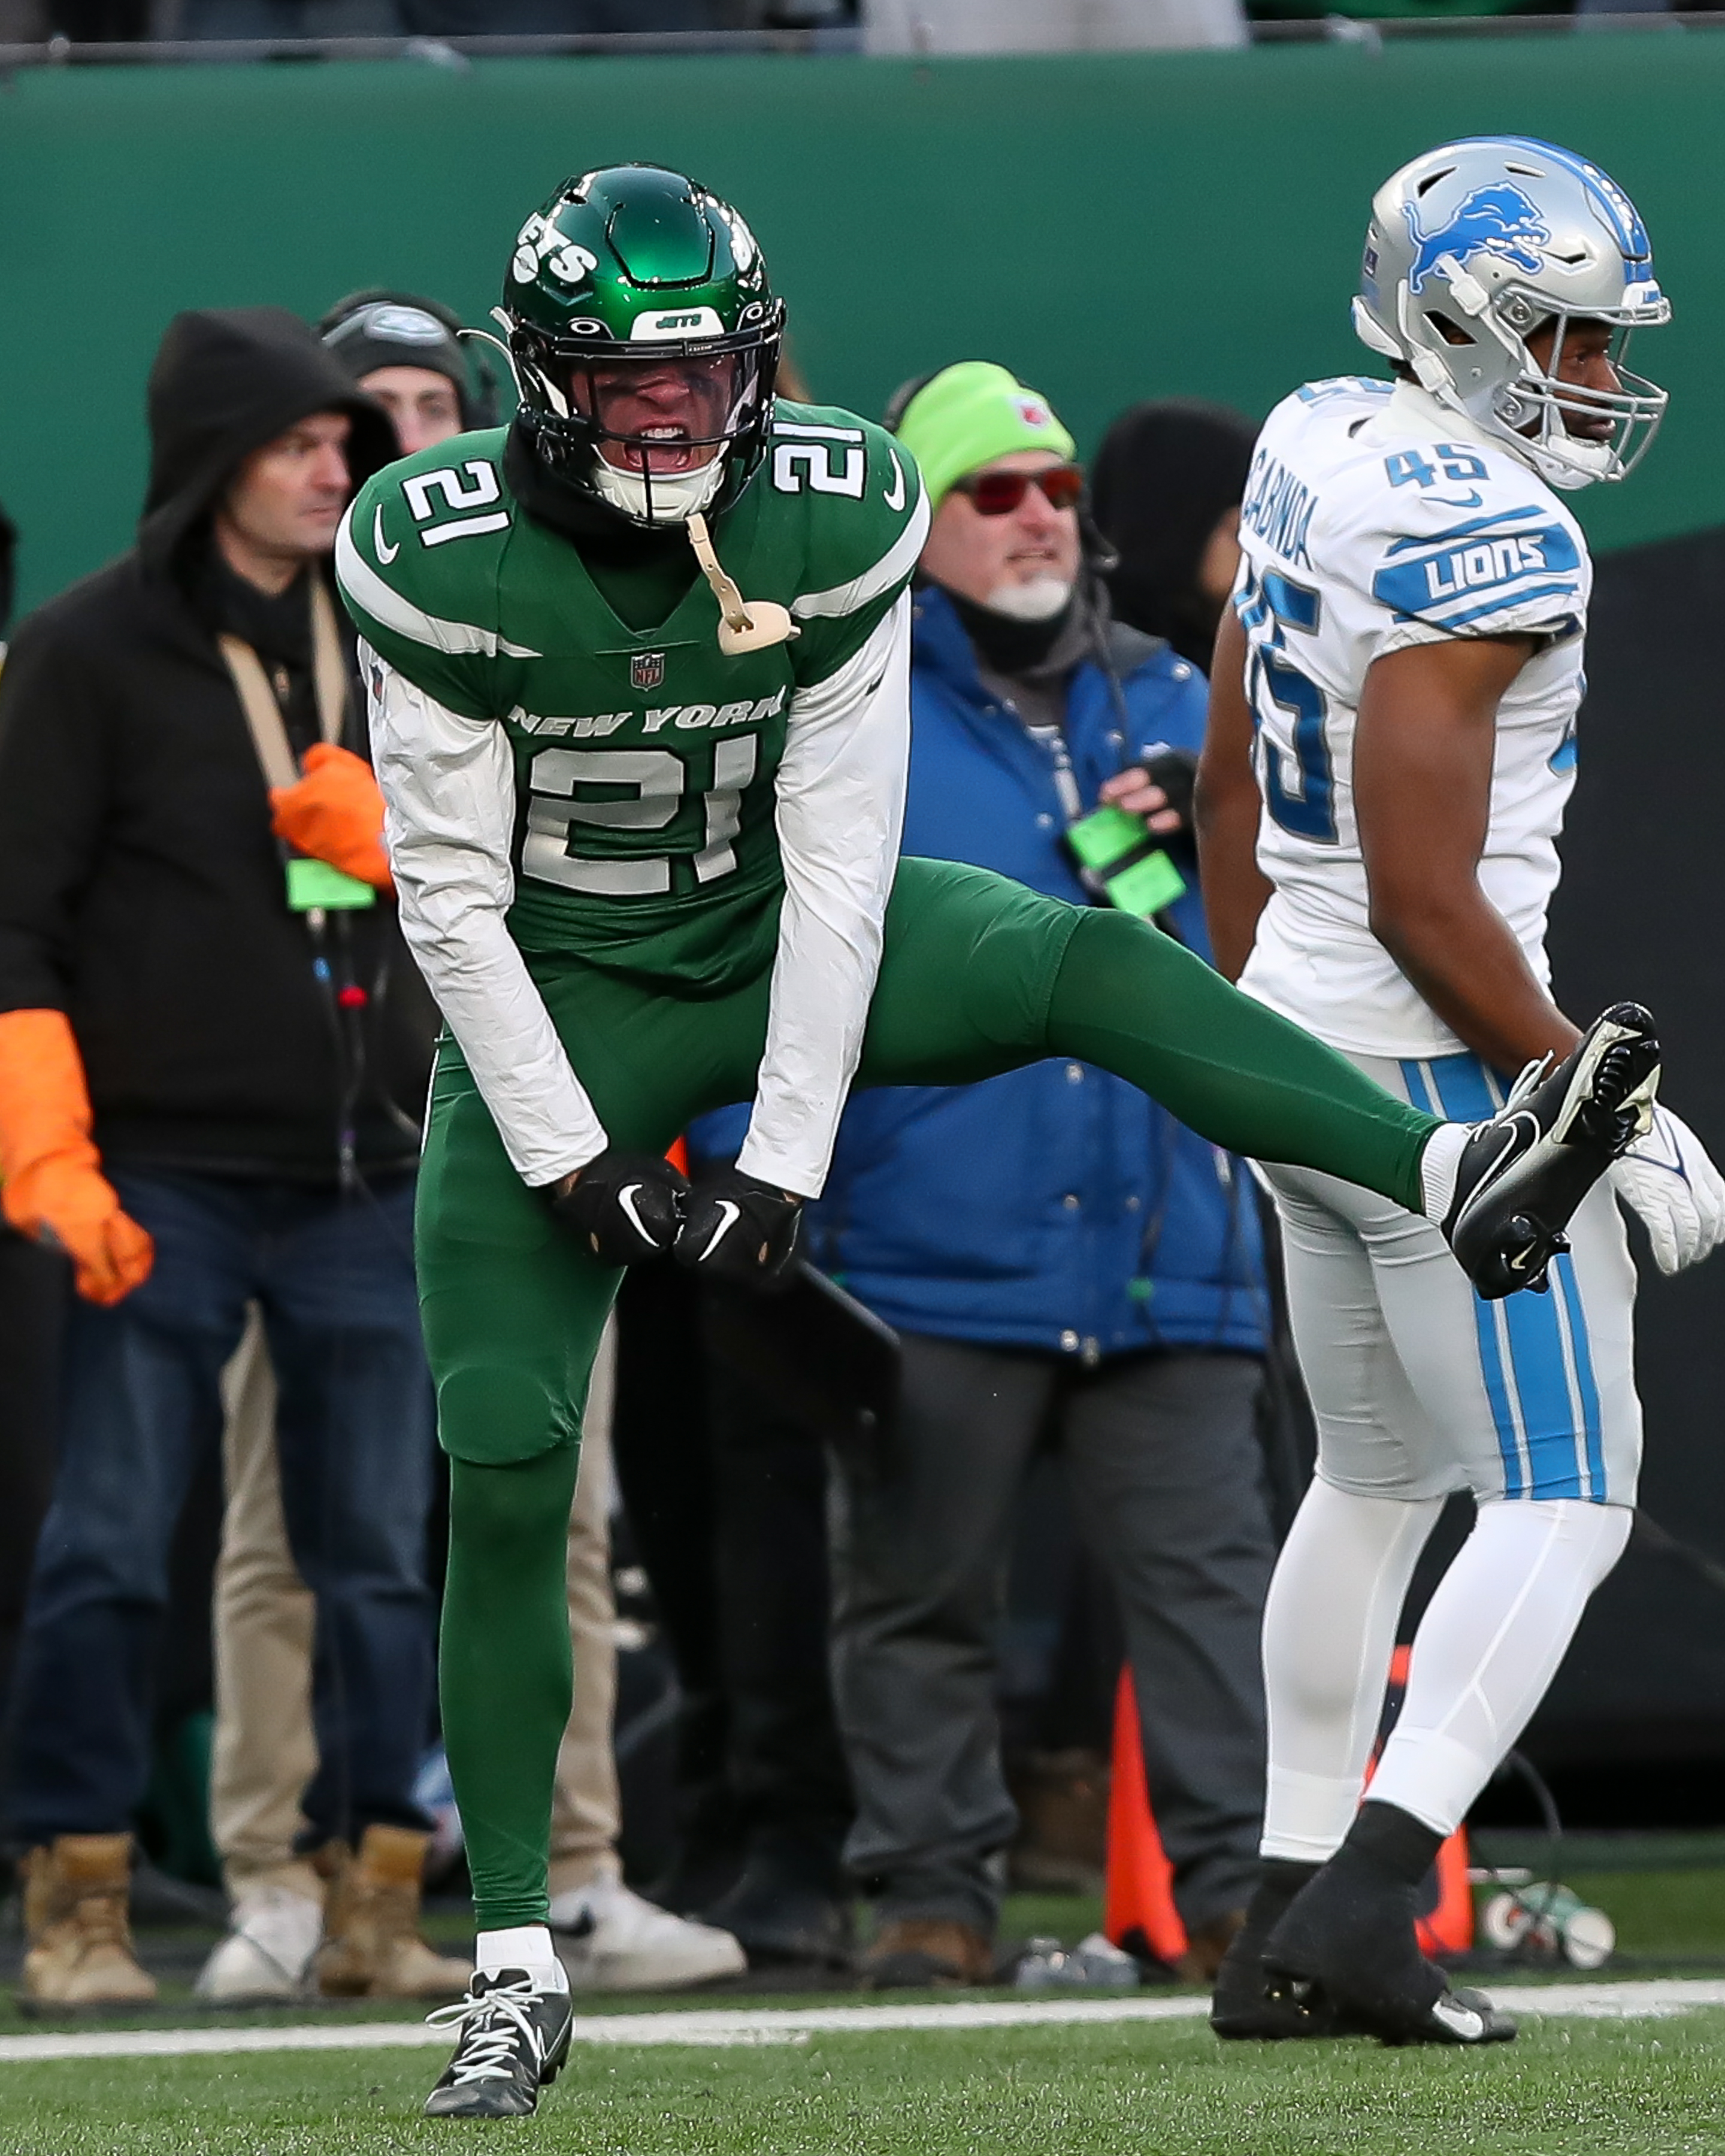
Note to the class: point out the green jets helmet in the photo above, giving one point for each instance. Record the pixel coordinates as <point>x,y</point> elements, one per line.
<point>645,337</point>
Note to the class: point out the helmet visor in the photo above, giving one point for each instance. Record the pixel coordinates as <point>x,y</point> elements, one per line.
<point>660,413</point>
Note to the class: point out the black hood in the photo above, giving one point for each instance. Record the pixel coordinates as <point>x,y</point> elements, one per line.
<point>1160,484</point>
<point>225,382</point>
<point>8,548</point>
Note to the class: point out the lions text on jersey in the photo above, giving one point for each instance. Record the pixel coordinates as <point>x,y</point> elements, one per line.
<point>1374,519</point>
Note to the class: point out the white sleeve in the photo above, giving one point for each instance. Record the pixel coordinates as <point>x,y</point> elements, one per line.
<point>1513,568</point>
<point>449,815</point>
<point>841,810</point>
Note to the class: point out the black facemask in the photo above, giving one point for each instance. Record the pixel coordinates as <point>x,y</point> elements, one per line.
<point>599,532</point>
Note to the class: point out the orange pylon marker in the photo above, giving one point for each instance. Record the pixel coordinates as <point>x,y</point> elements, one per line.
<point>1446,1926</point>
<point>1138,1910</point>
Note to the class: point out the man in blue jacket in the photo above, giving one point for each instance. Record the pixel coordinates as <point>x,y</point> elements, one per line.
<point>1065,1263</point>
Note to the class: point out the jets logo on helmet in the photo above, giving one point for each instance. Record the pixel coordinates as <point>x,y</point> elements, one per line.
<point>645,338</point>
<point>1480,246</point>
<point>538,242</point>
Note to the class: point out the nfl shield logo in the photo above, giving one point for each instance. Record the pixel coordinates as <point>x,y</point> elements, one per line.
<point>646,669</point>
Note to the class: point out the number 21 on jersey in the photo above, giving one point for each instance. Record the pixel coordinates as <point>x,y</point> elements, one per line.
<point>1288,709</point>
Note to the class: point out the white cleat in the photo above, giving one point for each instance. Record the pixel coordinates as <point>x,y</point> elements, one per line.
<point>611,1939</point>
<point>268,1954</point>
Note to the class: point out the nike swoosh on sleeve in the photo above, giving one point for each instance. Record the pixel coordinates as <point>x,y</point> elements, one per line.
<point>895,493</point>
<point>385,552</point>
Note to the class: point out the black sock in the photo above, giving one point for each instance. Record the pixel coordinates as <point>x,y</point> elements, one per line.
<point>1280,1878</point>
<point>1393,1841</point>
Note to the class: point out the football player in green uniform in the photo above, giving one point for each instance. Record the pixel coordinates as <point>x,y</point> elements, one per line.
<point>638,671</point>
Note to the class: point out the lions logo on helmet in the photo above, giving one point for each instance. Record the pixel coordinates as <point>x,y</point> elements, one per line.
<point>1491,220</point>
<point>1479,246</point>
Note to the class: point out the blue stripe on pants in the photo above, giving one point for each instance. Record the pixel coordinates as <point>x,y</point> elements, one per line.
<point>1569,1290</point>
<point>1534,1354</point>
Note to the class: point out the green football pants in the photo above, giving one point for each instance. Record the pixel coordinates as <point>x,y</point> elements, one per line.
<point>978,975</point>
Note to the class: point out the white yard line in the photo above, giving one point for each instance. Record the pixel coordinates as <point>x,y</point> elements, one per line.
<point>716,2027</point>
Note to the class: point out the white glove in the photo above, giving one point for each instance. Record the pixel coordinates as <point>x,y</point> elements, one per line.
<point>1666,1178</point>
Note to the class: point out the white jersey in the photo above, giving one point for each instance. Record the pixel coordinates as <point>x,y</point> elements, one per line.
<point>1374,519</point>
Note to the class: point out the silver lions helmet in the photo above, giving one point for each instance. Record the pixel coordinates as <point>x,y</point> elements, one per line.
<point>1475,246</point>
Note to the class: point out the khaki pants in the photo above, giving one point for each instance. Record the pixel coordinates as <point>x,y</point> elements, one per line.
<point>265,1751</point>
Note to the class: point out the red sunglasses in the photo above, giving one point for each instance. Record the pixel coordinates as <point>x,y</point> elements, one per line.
<point>998,493</point>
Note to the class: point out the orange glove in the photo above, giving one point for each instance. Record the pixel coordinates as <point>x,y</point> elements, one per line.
<point>336,814</point>
<point>54,1190</point>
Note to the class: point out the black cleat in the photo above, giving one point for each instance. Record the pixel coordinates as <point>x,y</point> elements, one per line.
<point>1346,1957</point>
<point>1523,1174</point>
<point>513,2042</point>
<point>1241,2005</point>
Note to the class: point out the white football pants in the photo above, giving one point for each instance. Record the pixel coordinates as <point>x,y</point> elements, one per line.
<point>1421,1389</point>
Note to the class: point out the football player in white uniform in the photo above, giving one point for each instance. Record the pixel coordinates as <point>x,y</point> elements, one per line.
<point>1392,743</point>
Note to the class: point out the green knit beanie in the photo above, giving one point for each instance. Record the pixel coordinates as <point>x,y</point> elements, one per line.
<point>968,415</point>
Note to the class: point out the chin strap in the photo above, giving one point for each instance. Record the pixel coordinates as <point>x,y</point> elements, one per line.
<point>744,625</point>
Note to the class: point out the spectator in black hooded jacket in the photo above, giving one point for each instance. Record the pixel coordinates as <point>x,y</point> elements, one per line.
<point>1165,490</point>
<point>32,1295</point>
<point>8,548</point>
<point>213,1051</point>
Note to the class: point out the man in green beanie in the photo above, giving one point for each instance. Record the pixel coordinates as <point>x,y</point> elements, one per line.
<point>638,669</point>
<point>1102,1302</point>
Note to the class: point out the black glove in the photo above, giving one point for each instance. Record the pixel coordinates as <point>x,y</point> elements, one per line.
<point>623,1206</point>
<point>737,1228</point>
<point>1175,771</point>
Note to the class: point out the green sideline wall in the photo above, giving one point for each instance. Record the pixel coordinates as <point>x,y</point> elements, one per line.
<point>1113,228</point>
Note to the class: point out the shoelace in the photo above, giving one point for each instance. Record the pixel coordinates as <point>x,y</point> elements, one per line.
<point>1531,1075</point>
<point>103,1919</point>
<point>490,2027</point>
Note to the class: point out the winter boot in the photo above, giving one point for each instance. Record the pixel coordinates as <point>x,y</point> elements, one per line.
<point>919,1954</point>
<point>79,1954</point>
<point>371,1948</point>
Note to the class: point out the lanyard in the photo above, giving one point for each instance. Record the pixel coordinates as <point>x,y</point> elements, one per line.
<point>313,885</point>
<point>257,700</point>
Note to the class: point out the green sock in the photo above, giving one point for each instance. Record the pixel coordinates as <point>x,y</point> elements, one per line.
<point>1134,1001</point>
<point>504,1673</point>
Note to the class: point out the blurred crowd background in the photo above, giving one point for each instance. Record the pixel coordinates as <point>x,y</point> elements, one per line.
<point>871,25</point>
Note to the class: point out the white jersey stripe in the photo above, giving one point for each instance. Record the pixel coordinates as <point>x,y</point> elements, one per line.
<point>384,604</point>
<point>899,560</point>
<point>817,434</point>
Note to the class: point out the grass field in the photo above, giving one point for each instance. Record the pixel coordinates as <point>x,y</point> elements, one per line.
<point>1652,2086</point>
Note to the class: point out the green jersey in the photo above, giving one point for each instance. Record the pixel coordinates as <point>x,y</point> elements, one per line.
<point>559,784</point>
<point>644,759</point>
